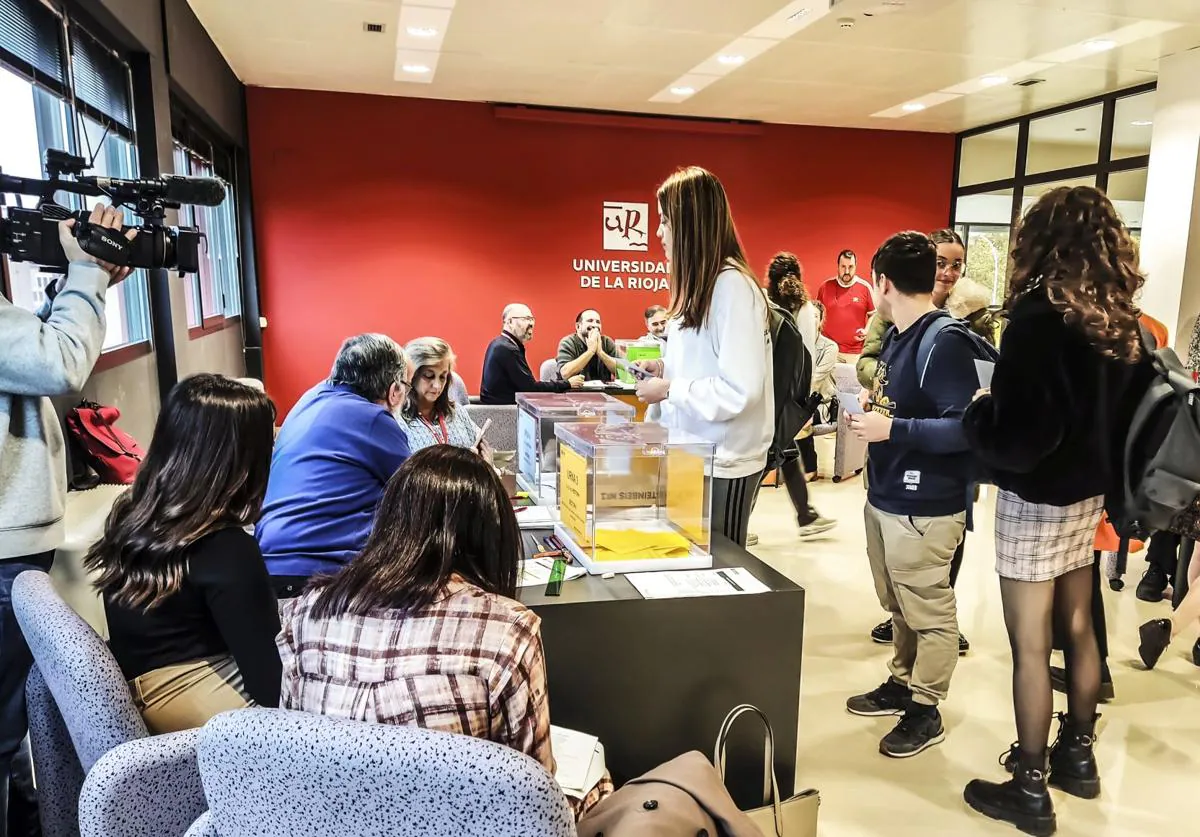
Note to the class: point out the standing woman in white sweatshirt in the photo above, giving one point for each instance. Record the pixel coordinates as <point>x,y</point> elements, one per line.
<point>715,380</point>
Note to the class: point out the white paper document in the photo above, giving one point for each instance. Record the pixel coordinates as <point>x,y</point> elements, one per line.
<point>535,572</point>
<point>579,758</point>
<point>984,368</point>
<point>677,584</point>
<point>537,517</point>
<point>850,403</point>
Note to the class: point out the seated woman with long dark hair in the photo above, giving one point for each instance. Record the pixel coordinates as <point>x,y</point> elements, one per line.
<point>191,616</point>
<point>423,627</point>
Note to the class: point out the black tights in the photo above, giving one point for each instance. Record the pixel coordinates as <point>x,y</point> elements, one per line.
<point>1032,613</point>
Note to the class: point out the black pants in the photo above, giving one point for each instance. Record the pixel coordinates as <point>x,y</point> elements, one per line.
<point>808,454</point>
<point>1163,552</point>
<point>794,481</point>
<point>288,586</point>
<point>732,502</point>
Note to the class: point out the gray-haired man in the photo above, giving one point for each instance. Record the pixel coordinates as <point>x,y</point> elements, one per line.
<point>336,451</point>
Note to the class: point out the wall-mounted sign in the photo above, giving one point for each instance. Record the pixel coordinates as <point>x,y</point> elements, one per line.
<point>626,227</point>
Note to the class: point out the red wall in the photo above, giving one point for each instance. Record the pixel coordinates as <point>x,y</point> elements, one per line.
<point>416,217</point>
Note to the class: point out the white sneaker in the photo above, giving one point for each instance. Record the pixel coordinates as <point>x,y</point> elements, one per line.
<point>817,527</point>
<point>751,540</point>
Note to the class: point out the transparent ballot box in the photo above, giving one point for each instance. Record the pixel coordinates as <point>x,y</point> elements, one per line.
<point>634,497</point>
<point>537,448</point>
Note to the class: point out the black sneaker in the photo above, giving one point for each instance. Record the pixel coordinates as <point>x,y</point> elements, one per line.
<point>1156,636</point>
<point>1058,680</point>
<point>917,731</point>
<point>891,698</point>
<point>963,646</point>
<point>882,633</point>
<point>1196,653</point>
<point>1153,585</point>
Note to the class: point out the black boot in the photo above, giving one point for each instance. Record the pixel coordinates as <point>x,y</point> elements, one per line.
<point>1073,767</point>
<point>1023,800</point>
<point>1196,653</point>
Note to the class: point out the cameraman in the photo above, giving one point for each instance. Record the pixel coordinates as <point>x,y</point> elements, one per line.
<point>48,353</point>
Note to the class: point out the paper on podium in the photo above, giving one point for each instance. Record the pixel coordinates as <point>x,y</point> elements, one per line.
<point>678,584</point>
<point>535,572</point>
<point>579,759</point>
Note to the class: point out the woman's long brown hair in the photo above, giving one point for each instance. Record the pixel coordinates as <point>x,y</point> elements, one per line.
<point>704,241</point>
<point>1075,243</point>
<point>206,470</point>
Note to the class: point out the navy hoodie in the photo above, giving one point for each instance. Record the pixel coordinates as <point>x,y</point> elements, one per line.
<point>924,469</point>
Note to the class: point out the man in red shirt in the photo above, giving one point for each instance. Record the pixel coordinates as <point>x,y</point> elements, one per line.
<point>849,303</point>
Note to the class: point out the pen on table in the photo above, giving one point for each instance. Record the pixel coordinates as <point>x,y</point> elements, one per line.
<point>732,583</point>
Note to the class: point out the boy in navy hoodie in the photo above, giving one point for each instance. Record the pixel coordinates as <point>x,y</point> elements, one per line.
<point>919,469</point>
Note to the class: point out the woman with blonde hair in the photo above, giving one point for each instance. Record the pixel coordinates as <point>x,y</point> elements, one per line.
<point>1051,428</point>
<point>429,415</point>
<point>715,380</point>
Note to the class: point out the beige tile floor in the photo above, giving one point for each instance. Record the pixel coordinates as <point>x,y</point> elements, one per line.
<point>1149,746</point>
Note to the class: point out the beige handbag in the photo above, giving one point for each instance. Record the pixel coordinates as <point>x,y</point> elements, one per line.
<point>795,816</point>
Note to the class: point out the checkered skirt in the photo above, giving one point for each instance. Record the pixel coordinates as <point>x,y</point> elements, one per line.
<point>1040,542</point>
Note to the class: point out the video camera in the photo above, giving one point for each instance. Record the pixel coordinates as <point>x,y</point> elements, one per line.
<point>31,235</point>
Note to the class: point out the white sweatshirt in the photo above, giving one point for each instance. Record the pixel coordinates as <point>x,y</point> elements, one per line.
<point>722,388</point>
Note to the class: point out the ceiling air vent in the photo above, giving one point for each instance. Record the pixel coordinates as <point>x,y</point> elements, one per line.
<point>1029,82</point>
<point>375,28</point>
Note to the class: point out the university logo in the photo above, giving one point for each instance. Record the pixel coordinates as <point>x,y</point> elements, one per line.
<point>626,226</point>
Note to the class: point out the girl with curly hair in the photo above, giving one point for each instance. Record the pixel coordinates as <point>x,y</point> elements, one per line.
<point>1050,429</point>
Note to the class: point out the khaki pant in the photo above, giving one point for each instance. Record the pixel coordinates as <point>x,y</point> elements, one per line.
<point>847,357</point>
<point>185,696</point>
<point>910,563</point>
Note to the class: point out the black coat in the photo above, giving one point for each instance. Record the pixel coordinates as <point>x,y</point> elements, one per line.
<point>1053,429</point>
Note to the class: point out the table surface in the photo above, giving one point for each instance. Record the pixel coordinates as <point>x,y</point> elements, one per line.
<point>594,588</point>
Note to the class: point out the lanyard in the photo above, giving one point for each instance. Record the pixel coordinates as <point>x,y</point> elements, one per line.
<point>442,437</point>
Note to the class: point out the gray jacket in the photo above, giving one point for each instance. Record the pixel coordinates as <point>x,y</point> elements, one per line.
<point>44,354</point>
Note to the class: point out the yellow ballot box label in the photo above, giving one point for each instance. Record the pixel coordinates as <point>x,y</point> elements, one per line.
<point>685,494</point>
<point>572,492</point>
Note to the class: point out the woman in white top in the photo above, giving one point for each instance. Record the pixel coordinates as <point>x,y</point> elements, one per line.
<point>428,415</point>
<point>715,380</point>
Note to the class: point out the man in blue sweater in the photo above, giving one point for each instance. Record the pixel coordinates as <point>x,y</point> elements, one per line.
<point>919,469</point>
<point>336,451</point>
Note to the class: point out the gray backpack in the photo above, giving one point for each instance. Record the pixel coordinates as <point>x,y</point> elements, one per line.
<point>1161,466</point>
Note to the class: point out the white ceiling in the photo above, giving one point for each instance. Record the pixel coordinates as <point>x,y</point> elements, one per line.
<point>618,54</point>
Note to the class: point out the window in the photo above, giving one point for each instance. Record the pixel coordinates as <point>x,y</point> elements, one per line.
<point>1064,140</point>
<point>989,157</point>
<point>1127,191</point>
<point>1133,125</point>
<point>216,292</point>
<point>39,115</point>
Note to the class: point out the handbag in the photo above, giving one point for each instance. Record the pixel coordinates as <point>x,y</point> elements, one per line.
<point>795,816</point>
<point>111,452</point>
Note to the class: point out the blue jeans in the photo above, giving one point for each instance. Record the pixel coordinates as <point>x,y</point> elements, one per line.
<point>15,661</point>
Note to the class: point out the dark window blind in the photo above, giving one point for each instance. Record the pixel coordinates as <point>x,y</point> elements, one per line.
<point>31,41</point>
<point>101,78</point>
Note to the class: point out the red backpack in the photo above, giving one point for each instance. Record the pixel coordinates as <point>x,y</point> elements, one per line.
<point>111,452</point>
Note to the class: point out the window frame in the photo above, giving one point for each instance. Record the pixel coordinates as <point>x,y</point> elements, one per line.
<point>1104,166</point>
<point>135,300</point>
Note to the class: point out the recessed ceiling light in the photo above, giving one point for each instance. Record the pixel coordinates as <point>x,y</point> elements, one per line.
<point>796,15</point>
<point>992,81</point>
<point>422,31</point>
<point>731,60</point>
<point>913,107</point>
<point>415,69</point>
<point>1080,130</point>
<point>1141,123</point>
<point>1100,45</point>
<point>683,91</point>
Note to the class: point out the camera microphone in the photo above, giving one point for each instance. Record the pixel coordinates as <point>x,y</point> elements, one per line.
<point>173,188</point>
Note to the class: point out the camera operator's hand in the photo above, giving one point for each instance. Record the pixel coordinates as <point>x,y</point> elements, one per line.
<point>104,216</point>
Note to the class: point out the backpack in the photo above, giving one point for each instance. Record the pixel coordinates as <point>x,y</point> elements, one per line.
<point>792,372</point>
<point>1161,462</point>
<point>983,349</point>
<point>111,452</point>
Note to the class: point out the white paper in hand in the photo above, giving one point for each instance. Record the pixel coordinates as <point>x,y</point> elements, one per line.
<point>984,369</point>
<point>850,403</point>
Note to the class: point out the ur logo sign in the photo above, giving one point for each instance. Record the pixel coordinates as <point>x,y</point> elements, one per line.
<point>626,226</point>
